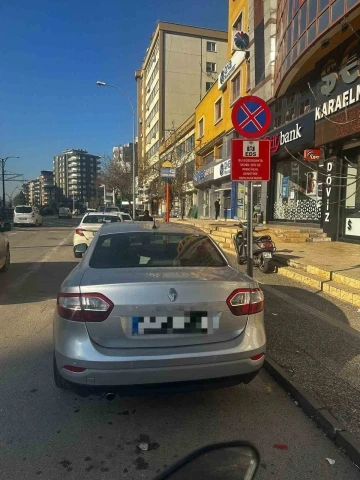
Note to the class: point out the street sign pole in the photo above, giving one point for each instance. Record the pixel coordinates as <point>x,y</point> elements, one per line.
<point>167,219</point>
<point>250,160</point>
<point>249,240</point>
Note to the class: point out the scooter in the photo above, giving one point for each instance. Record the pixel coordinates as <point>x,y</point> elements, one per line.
<point>227,461</point>
<point>263,249</point>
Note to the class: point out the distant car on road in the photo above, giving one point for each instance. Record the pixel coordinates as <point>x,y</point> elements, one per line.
<point>27,215</point>
<point>156,308</point>
<point>64,212</point>
<point>108,209</point>
<point>4,247</point>
<point>89,226</point>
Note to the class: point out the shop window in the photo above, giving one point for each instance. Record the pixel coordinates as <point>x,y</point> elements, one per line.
<point>288,39</point>
<point>291,99</point>
<point>219,152</point>
<point>337,10</point>
<point>209,85</point>
<point>352,3</point>
<point>209,158</point>
<point>218,110</point>
<point>277,121</point>
<point>296,28</point>
<point>323,21</point>
<point>305,106</point>
<point>302,44</point>
<point>235,87</point>
<point>210,46</point>
<point>290,115</point>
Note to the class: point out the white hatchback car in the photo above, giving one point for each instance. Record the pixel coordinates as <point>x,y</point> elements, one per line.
<point>90,225</point>
<point>27,215</point>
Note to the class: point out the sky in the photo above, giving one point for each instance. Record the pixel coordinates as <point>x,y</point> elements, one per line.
<point>51,55</point>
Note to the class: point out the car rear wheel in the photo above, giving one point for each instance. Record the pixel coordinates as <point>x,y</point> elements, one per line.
<point>59,381</point>
<point>6,265</point>
<point>15,224</point>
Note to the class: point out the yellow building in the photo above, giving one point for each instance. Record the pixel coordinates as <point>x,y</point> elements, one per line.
<point>213,126</point>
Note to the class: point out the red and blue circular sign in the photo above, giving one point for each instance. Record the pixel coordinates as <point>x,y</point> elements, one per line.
<point>251,117</point>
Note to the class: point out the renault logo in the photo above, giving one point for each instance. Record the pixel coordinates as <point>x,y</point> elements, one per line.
<point>172,295</point>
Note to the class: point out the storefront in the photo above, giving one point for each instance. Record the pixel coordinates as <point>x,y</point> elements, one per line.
<point>337,131</point>
<point>295,188</point>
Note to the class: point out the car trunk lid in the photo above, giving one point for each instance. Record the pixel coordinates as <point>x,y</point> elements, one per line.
<point>163,307</point>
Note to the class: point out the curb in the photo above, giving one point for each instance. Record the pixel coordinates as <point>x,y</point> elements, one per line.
<point>333,429</point>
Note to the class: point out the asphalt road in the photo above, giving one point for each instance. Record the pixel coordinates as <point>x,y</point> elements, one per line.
<point>46,433</point>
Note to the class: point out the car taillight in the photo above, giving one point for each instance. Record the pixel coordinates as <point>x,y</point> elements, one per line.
<point>84,307</point>
<point>245,301</point>
<point>79,231</point>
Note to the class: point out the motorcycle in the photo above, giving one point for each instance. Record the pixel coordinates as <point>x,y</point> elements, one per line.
<point>263,249</point>
<point>235,460</point>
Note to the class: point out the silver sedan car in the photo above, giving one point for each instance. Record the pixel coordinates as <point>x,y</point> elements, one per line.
<point>156,309</point>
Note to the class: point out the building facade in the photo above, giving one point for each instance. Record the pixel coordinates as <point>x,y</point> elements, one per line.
<point>315,136</point>
<point>213,126</point>
<point>75,174</point>
<point>180,65</point>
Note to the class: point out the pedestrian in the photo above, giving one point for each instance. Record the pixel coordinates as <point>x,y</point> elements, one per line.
<point>217,208</point>
<point>146,217</point>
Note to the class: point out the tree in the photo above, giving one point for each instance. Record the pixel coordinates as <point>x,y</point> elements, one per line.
<point>117,175</point>
<point>19,199</point>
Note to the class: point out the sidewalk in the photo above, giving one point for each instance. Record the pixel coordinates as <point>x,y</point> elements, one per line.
<point>331,267</point>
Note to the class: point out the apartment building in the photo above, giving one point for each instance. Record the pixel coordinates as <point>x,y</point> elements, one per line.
<point>75,174</point>
<point>46,187</point>
<point>181,64</point>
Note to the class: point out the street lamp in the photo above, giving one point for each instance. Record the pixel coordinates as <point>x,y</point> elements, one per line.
<point>103,84</point>
<point>3,161</point>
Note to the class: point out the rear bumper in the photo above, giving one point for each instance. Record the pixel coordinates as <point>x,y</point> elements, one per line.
<point>107,369</point>
<point>25,222</point>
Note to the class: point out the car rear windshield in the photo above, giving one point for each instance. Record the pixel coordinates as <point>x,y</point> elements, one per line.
<point>111,209</point>
<point>148,249</point>
<point>101,219</point>
<point>23,209</point>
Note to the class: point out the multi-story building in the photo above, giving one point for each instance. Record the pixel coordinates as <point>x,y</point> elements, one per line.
<point>181,64</point>
<point>213,126</point>
<point>315,136</point>
<point>75,174</point>
<point>47,189</point>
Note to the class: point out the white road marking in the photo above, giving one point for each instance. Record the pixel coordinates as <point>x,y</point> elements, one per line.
<point>35,266</point>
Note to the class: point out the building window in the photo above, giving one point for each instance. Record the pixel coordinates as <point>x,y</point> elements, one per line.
<point>277,121</point>
<point>238,25</point>
<point>201,127</point>
<point>235,87</point>
<point>209,85</point>
<point>210,46</point>
<point>218,110</point>
<point>290,115</point>
<point>210,67</point>
<point>305,106</point>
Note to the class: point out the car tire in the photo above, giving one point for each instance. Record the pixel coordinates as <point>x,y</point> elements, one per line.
<point>6,265</point>
<point>15,224</point>
<point>60,382</point>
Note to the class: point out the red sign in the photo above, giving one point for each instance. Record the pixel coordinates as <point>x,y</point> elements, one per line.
<point>250,160</point>
<point>251,117</point>
<point>312,154</point>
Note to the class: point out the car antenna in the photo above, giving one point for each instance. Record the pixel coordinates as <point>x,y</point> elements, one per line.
<point>154,227</point>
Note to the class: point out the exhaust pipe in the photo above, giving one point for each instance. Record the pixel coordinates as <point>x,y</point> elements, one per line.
<point>110,396</point>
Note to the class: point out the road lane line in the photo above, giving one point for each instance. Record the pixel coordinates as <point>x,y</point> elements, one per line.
<point>35,266</point>
<point>313,311</point>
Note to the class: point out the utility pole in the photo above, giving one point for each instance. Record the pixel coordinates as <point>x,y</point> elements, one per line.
<point>3,162</point>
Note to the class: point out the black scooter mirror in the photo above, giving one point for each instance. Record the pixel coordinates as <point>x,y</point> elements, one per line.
<point>222,461</point>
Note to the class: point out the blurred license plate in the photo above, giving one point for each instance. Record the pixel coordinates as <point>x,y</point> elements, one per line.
<point>267,255</point>
<point>191,322</point>
<point>22,218</point>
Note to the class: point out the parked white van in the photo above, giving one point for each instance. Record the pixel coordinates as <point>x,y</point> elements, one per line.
<point>27,215</point>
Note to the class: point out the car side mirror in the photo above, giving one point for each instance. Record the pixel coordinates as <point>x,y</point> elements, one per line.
<point>5,227</point>
<point>231,460</point>
<point>80,250</point>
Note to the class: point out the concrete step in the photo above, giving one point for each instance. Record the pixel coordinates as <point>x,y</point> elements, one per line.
<point>342,292</point>
<point>317,271</point>
<point>301,276</point>
<point>345,280</point>
<point>318,239</point>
